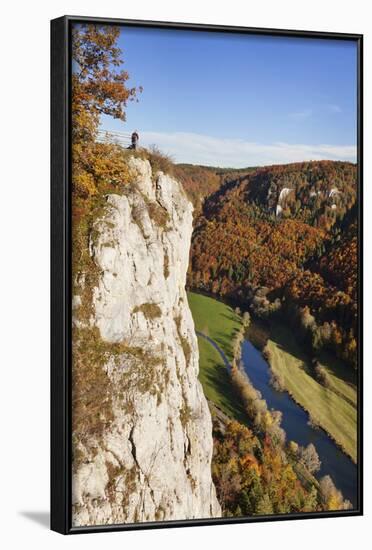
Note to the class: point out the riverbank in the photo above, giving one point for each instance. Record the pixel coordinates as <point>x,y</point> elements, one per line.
<point>217,320</point>
<point>295,422</point>
<point>220,323</point>
<point>224,327</point>
<point>331,407</point>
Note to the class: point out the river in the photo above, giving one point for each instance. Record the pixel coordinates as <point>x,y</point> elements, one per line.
<point>295,423</point>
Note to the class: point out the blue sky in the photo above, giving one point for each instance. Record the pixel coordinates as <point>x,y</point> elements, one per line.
<point>240,100</point>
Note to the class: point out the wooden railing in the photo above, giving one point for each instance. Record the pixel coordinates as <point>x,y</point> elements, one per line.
<point>121,138</point>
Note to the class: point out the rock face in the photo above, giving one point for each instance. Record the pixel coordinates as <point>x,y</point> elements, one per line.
<point>281,199</point>
<point>153,461</point>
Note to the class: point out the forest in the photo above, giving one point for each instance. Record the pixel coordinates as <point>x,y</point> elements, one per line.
<point>255,476</point>
<point>257,467</point>
<point>283,240</point>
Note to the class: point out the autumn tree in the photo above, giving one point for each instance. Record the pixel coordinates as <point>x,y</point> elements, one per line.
<point>99,87</point>
<point>265,507</point>
<point>255,477</point>
<point>309,457</point>
<point>331,497</point>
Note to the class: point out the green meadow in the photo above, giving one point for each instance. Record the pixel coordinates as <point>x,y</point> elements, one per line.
<point>220,323</point>
<point>332,407</point>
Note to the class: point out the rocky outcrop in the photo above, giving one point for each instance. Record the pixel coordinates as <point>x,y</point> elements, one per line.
<point>281,199</point>
<point>153,460</point>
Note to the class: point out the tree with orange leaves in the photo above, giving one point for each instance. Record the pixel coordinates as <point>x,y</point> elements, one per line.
<point>99,87</point>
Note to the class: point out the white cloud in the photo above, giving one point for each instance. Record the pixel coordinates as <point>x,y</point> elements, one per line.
<point>333,108</point>
<point>237,153</point>
<point>301,115</point>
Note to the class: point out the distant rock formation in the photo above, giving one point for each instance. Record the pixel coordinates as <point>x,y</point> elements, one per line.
<point>281,200</point>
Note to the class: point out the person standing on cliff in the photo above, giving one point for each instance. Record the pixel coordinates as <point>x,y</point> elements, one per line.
<point>134,139</point>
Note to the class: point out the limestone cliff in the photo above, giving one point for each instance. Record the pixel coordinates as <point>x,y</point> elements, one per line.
<point>152,460</point>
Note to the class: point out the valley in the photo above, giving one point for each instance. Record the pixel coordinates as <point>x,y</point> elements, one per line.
<point>280,243</point>
<point>301,393</point>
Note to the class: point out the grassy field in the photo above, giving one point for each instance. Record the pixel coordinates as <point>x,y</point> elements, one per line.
<point>341,379</point>
<point>220,323</point>
<point>216,320</point>
<point>216,381</point>
<point>332,408</point>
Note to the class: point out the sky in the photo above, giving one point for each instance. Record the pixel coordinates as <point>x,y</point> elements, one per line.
<point>240,100</point>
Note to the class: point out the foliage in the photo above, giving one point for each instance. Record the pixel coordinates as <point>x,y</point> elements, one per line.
<point>328,408</point>
<point>151,311</point>
<point>265,422</point>
<point>98,87</point>
<point>309,458</point>
<point>160,162</point>
<point>254,478</point>
<point>306,257</point>
<point>331,498</point>
<point>253,471</point>
<point>158,214</point>
<point>198,182</point>
<point>314,187</point>
<point>91,389</point>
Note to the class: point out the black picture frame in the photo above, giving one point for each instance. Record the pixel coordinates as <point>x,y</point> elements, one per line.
<point>61,272</point>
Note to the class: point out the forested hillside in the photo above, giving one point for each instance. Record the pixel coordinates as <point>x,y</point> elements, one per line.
<point>318,193</point>
<point>198,182</point>
<point>283,240</point>
<point>201,182</point>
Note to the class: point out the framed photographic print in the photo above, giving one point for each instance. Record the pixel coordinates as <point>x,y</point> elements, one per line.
<point>206,274</point>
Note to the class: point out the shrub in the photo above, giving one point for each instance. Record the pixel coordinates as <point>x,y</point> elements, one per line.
<point>277,381</point>
<point>151,311</point>
<point>252,477</point>
<point>185,415</point>
<point>321,375</point>
<point>331,497</point>
<point>158,214</point>
<point>91,388</point>
<point>309,458</point>
<point>160,162</point>
<point>264,506</point>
